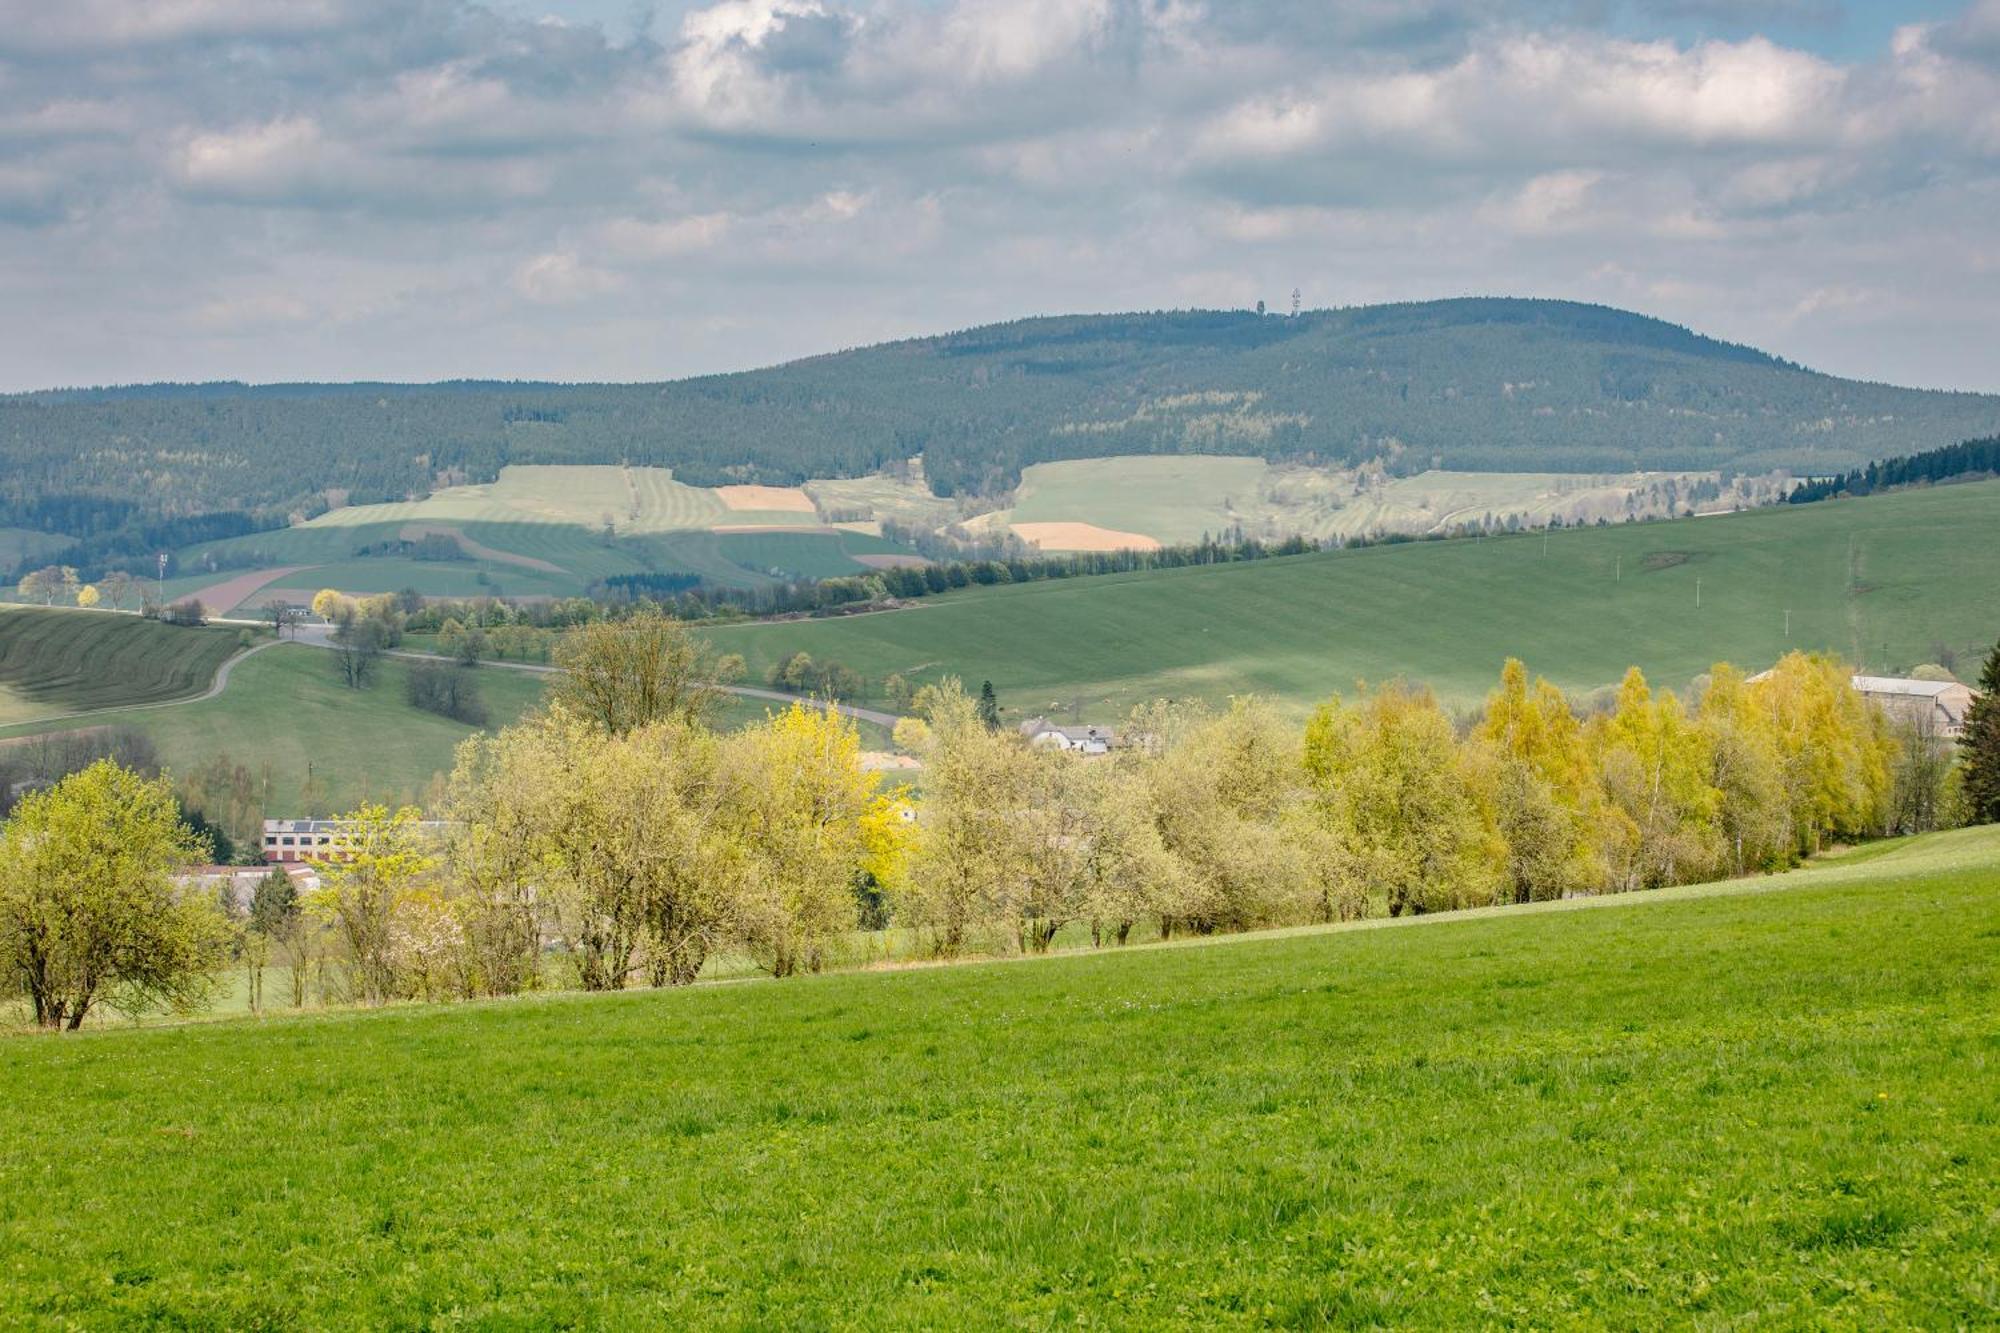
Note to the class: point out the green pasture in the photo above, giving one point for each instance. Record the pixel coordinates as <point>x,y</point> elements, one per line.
<point>18,544</point>
<point>807,555</point>
<point>1173,498</point>
<point>1887,581</point>
<point>55,661</point>
<point>287,713</point>
<point>1775,1103</point>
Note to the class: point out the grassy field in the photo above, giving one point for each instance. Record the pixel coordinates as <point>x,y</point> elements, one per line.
<point>286,709</point>
<point>1775,1103</point>
<point>539,531</point>
<point>1183,497</point>
<point>1882,580</point>
<point>57,661</point>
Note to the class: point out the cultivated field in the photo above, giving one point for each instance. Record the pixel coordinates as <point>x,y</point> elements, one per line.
<point>1710,1106</point>
<point>64,661</point>
<point>1180,498</point>
<point>538,531</point>
<point>1883,580</point>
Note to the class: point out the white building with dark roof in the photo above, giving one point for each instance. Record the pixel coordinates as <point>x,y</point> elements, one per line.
<point>1942,704</point>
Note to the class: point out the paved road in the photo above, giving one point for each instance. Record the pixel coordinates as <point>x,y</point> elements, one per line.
<point>319,636</point>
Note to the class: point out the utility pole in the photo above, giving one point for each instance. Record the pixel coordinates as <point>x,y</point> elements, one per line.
<point>1618,570</point>
<point>1697,594</point>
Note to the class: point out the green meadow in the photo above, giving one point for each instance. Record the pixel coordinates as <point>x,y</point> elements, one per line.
<point>287,717</point>
<point>1887,581</point>
<point>1774,1102</point>
<point>55,661</point>
<point>285,710</point>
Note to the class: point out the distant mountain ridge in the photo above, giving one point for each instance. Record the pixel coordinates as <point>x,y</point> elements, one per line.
<point>1479,384</point>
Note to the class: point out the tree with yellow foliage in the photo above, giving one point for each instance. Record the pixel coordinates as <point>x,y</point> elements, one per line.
<point>87,596</point>
<point>1664,824</point>
<point>384,857</point>
<point>1548,802</point>
<point>799,804</point>
<point>970,856</point>
<point>1410,812</point>
<point>1836,748</point>
<point>1747,771</point>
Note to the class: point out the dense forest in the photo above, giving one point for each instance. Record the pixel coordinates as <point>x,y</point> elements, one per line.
<point>1477,384</point>
<point>1967,461</point>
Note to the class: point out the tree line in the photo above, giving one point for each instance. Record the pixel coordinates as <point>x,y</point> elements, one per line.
<point>616,838</point>
<point>1967,460</point>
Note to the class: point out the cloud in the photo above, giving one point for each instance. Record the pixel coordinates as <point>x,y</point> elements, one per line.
<point>422,187</point>
<point>561,278</point>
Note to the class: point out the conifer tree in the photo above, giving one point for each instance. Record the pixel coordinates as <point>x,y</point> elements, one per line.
<point>1981,745</point>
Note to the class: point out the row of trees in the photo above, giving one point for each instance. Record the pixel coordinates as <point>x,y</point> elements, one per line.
<point>616,837</point>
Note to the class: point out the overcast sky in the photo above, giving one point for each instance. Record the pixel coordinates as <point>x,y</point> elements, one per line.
<point>601,189</point>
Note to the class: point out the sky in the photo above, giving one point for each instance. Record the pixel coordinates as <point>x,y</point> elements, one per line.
<point>617,190</point>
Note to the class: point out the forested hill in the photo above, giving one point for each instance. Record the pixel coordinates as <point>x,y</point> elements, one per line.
<point>1479,384</point>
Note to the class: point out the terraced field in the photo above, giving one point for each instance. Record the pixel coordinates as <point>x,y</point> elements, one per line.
<point>1888,581</point>
<point>55,661</point>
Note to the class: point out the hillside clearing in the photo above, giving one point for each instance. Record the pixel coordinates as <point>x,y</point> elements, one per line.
<point>1690,1107</point>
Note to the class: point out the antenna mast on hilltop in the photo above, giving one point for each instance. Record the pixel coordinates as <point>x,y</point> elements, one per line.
<point>1295,303</point>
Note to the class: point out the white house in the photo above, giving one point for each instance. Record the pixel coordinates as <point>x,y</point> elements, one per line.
<point>1942,703</point>
<point>1085,739</point>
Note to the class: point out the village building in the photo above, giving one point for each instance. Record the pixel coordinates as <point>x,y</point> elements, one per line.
<point>1081,739</point>
<point>288,841</point>
<point>1941,704</point>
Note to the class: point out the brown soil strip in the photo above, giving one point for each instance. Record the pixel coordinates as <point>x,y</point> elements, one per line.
<point>788,499</point>
<point>1083,537</point>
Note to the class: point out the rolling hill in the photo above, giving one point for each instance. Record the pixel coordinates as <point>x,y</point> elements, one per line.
<point>1767,1102</point>
<point>54,661</point>
<point>1888,581</point>
<point>1469,385</point>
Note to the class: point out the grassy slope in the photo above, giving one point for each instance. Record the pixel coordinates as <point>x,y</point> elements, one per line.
<point>1697,1106</point>
<point>58,661</point>
<point>285,708</point>
<point>1880,579</point>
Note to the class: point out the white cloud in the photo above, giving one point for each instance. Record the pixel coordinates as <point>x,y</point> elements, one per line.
<point>362,183</point>
<point>560,278</point>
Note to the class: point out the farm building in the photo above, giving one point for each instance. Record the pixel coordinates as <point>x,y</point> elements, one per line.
<point>1084,739</point>
<point>292,840</point>
<point>1941,703</point>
